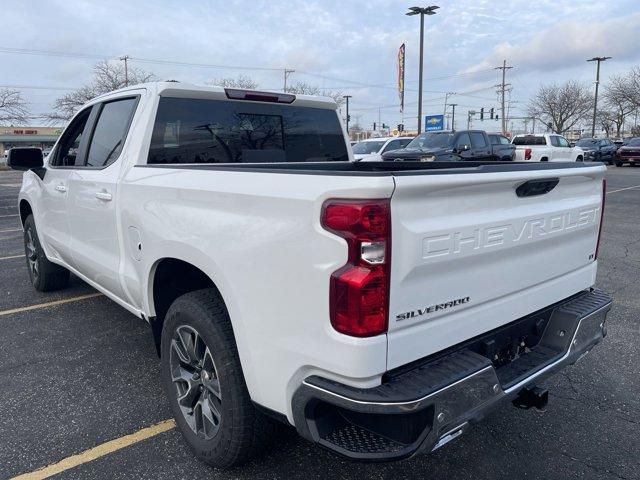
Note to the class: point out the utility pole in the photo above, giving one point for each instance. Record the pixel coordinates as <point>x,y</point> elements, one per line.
<point>126,69</point>
<point>470,114</point>
<point>526,124</point>
<point>446,97</point>
<point>347,97</point>
<point>431,10</point>
<point>287,72</point>
<point>502,89</point>
<point>595,99</point>
<point>453,116</point>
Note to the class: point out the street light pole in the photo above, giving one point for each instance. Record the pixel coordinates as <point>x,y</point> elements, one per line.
<point>595,99</point>
<point>431,10</point>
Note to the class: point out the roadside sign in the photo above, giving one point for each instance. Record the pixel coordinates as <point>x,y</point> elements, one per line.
<point>434,122</point>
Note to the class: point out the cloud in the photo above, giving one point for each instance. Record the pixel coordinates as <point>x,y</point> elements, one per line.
<point>569,43</point>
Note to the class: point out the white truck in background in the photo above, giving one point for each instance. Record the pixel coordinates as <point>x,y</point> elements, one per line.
<point>545,147</point>
<point>380,308</point>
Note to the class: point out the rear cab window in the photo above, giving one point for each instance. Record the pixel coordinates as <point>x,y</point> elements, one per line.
<point>529,140</point>
<point>189,130</point>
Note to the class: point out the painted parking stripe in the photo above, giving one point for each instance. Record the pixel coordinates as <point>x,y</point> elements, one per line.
<point>7,216</point>
<point>623,189</point>
<point>12,256</point>
<point>49,304</point>
<point>11,230</point>
<point>98,451</point>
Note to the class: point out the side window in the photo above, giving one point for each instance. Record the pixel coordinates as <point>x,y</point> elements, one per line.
<point>478,140</point>
<point>110,132</point>
<point>562,142</point>
<point>554,141</point>
<point>494,139</point>
<point>463,139</point>
<point>69,144</point>
<point>504,140</point>
<point>392,145</point>
<point>404,142</point>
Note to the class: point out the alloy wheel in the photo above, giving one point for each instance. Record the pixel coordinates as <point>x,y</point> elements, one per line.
<point>32,255</point>
<point>195,378</point>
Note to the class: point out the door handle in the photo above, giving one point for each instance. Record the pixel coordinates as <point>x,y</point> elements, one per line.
<point>105,196</point>
<point>61,188</point>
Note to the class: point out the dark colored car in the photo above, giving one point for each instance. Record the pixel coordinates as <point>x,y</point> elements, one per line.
<point>598,150</point>
<point>502,148</point>
<point>445,147</point>
<point>629,153</point>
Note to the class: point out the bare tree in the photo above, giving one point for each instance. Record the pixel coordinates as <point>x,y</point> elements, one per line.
<point>561,105</point>
<point>107,76</point>
<point>619,99</point>
<point>241,81</point>
<point>608,120</point>
<point>304,88</point>
<point>13,108</point>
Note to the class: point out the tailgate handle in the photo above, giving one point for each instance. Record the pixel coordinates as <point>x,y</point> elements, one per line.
<point>536,187</point>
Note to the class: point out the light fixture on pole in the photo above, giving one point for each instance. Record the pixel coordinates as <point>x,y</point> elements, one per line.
<point>422,11</point>
<point>595,99</point>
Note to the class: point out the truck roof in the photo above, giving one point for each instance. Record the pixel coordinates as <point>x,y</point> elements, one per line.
<point>187,90</point>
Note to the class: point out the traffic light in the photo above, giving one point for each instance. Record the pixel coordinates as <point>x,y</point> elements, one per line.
<point>374,126</point>
<point>401,127</point>
<point>384,126</point>
<point>348,118</point>
<point>491,113</point>
<point>482,113</point>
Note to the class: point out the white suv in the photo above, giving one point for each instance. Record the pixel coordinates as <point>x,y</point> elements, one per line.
<point>371,150</point>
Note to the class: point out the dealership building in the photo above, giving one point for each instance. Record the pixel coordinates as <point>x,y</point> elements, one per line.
<point>42,137</point>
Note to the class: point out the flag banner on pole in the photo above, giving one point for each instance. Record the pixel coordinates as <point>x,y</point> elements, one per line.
<point>401,76</point>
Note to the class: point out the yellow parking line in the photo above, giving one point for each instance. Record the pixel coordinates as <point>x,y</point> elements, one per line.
<point>12,256</point>
<point>623,189</point>
<point>98,451</point>
<point>49,304</point>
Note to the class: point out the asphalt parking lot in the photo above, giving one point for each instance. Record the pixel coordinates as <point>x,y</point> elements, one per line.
<point>77,371</point>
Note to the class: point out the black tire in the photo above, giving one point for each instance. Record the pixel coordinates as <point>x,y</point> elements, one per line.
<point>619,164</point>
<point>45,276</point>
<point>241,430</point>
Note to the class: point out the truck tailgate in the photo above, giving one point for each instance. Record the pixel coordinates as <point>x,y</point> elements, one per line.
<point>470,255</point>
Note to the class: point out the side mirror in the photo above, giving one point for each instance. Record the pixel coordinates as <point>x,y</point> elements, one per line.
<point>572,144</point>
<point>463,148</point>
<point>25,158</point>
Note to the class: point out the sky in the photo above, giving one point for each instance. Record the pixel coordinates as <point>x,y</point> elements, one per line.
<point>347,46</point>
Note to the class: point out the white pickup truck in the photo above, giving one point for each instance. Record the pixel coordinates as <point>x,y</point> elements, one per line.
<point>380,308</point>
<point>545,147</point>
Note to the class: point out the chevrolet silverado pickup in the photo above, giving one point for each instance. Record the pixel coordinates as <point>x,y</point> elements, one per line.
<point>380,308</point>
<point>546,147</point>
<point>461,145</point>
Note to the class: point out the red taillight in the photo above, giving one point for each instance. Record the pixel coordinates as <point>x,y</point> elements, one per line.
<point>527,154</point>
<point>604,194</point>
<point>359,290</point>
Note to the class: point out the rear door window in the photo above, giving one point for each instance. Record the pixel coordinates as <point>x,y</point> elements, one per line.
<point>217,131</point>
<point>478,140</point>
<point>463,139</point>
<point>110,132</point>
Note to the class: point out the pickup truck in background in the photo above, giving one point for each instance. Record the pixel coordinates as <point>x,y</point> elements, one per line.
<point>629,153</point>
<point>546,147</point>
<point>445,147</point>
<point>285,282</point>
<point>502,148</point>
<point>371,149</point>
